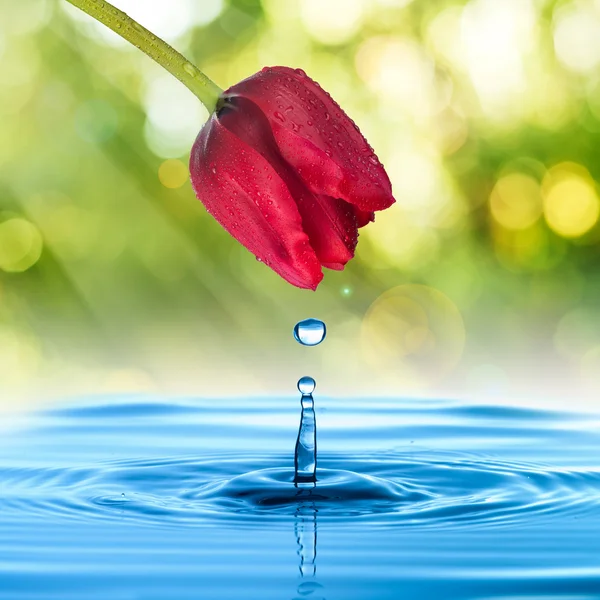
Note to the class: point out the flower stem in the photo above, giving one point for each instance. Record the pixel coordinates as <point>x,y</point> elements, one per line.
<point>195,80</point>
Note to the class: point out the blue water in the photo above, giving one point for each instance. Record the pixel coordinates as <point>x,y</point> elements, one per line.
<point>133,498</point>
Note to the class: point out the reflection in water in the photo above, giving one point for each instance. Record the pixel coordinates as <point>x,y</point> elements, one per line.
<point>305,529</point>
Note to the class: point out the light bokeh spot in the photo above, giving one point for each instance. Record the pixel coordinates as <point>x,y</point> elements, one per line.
<point>397,242</point>
<point>413,330</point>
<point>590,368</point>
<point>576,333</point>
<point>577,36</point>
<point>26,17</point>
<point>20,245</point>
<point>173,117</point>
<point>334,21</point>
<point>516,201</point>
<point>400,72</point>
<point>173,173</point>
<point>571,203</point>
<point>496,38</point>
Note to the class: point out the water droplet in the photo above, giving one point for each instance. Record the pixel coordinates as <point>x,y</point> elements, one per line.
<point>310,332</point>
<point>329,152</point>
<point>189,69</point>
<point>300,72</point>
<point>309,123</point>
<point>306,385</point>
<point>279,116</point>
<point>259,259</point>
<point>289,109</point>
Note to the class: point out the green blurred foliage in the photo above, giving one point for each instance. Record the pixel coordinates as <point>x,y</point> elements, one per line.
<point>482,280</point>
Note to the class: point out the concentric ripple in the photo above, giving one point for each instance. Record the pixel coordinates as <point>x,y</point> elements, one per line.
<point>420,489</point>
<point>414,499</point>
<point>203,465</point>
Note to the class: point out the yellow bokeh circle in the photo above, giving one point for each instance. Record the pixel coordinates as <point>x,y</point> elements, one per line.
<point>413,331</point>
<point>516,201</point>
<point>173,173</point>
<point>20,245</point>
<point>571,203</point>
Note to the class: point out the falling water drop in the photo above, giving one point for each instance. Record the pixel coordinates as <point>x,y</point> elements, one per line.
<point>310,332</point>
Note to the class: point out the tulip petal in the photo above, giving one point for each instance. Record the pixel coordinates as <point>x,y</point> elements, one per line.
<point>331,226</point>
<point>363,217</point>
<point>247,197</point>
<point>317,138</point>
<point>330,223</point>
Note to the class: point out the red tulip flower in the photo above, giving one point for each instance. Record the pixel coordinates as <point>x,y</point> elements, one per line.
<point>288,174</point>
<point>279,164</point>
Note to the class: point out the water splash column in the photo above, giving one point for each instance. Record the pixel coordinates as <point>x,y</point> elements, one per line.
<point>305,456</point>
<point>309,332</point>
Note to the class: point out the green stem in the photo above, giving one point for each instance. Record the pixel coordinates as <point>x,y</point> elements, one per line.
<point>195,80</point>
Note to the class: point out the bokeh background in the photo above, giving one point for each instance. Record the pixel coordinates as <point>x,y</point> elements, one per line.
<point>482,281</point>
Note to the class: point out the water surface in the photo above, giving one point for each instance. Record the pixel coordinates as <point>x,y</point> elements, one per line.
<point>131,498</point>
